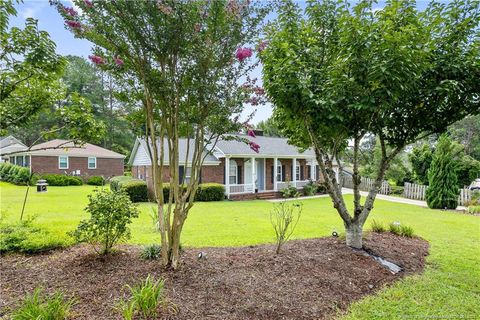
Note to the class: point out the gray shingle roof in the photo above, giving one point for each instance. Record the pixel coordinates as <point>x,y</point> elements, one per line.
<point>182,152</point>
<point>269,146</point>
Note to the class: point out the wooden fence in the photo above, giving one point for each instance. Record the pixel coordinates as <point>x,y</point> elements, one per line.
<point>418,192</point>
<point>365,185</point>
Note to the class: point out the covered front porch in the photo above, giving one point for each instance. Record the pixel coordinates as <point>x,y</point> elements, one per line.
<point>267,174</point>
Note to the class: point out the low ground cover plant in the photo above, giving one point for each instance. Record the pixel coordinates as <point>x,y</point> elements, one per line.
<point>310,189</point>
<point>284,218</point>
<point>43,307</point>
<point>150,252</point>
<point>146,299</point>
<point>290,191</point>
<point>377,226</point>
<point>401,230</point>
<point>24,237</point>
<point>110,215</point>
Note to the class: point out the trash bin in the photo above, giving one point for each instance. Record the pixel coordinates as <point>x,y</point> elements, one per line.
<point>42,186</point>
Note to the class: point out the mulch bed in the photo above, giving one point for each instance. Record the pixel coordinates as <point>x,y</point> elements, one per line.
<point>310,279</point>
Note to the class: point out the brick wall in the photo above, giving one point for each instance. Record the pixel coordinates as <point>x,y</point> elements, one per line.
<point>106,167</point>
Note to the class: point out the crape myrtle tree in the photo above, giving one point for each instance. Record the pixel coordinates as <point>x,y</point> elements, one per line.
<point>337,73</point>
<point>30,72</point>
<point>187,63</point>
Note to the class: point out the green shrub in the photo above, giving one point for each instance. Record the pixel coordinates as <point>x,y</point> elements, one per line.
<point>474,209</point>
<point>210,192</point>
<point>96,181</point>
<point>110,215</point>
<point>310,189</point>
<point>25,238</point>
<point>42,307</point>
<point>146,299</point>
<point>151,252</point>
<point>14,174</point>
<point>4,168</point>
<point>116,181</point>
<point>377,226</point>
<point>61,180</point>
<point>289,191</point>
<point>136,190</point>
<point>127,173</point>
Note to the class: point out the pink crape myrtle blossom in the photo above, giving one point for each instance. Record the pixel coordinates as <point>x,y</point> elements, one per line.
<point>73,24</point>
<point>259,91</point>
<point>254,146</point>
<point>118,61</point>
<point>251,133</point>
<point>254,101</point>
<point>96,59</point>
<point>243,53</point>
<point>70,11</point>
<point>88,3</point>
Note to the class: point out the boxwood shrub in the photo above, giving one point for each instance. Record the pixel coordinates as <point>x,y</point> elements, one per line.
<point>115,182</point>
<point>136,189</point>
<point>210,192</point>
<point>96,181</point>
<point>61,180</point>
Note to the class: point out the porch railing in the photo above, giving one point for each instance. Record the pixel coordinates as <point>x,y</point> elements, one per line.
<point>242,188</point>
<point>298,184</point>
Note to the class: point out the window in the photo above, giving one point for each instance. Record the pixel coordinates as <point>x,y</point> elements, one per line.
<point>62,162</point>
<point>309,172</point>
<point>232,174</point>
<point>297,173</point>
<point>92,163</point>
<point>279,171</point>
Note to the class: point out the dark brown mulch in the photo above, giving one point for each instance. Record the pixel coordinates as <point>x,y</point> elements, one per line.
<point>311,279</point>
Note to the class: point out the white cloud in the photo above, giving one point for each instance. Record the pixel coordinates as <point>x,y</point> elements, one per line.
<point>77,8</point>
<point>28,13</point>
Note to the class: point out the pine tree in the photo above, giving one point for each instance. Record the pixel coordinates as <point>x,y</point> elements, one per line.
<point>442,175</point>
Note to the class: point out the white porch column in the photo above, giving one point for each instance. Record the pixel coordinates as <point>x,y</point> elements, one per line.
<point>275,165</point>
<point>312,171</point>
<point>294,172</point>
<point>337,175</point>
<point>253,173</point>
<point>227,176</point>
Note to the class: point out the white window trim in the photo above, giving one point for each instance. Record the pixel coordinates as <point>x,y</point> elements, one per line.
<point>233,164</point>
<point>279,171</point>
<point>88,163</point>
<point>188,175</point>
<point>297,172</point>
<point>59,167</point>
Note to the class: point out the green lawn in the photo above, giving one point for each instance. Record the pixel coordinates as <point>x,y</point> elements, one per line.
<point>449,288</point>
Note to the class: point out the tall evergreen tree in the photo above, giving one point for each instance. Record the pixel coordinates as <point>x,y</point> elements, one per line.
<point>443,190</point>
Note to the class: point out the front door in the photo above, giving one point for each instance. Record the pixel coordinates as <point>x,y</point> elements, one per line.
<point>260,174</point>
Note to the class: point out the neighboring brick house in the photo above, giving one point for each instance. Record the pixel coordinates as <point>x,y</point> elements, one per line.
<point>63,157</point>
<point>234,159</point>
<point>8,145</point>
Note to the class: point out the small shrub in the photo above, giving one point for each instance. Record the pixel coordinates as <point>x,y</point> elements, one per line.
<point>474,209</point>
<point>61,180</point>
<point>151,252</point>
<point>397,190</point>
<point>42,307</point>
<point>127,173</point>
<point>290,191</point>
<point>23,237</point>
<point>115,182</point>
<point>74,181</point>
<point>284,218</point>
<point>146,297</point>
<point>96,181</point>
<point>210,192</point>
<point>14,174</point>
<point>110,215</point>
<point>136,190</point>
<point>309,189</point>
<point>378,226</point>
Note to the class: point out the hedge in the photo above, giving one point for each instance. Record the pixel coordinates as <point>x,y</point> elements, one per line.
<point>60,180</point>
<point>96,181</point>
<point>14,174</point>
<point>210,192</point>
<point>135,188</point>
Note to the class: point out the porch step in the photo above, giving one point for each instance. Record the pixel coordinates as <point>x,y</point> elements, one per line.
<point>267,195</point>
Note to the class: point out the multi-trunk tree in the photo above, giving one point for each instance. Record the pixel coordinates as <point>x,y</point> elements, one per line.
<point>187,63</point>
<point>336,74</point>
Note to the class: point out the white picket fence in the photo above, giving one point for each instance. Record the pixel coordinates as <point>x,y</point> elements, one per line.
<point>366,184</point>
<point>418,192</point>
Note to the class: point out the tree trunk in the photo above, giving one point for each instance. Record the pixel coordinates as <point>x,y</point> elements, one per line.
<point>353,233</point>
<point>175,248</point>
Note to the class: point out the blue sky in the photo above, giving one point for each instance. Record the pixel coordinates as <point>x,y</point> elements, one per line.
<point>49,20</point>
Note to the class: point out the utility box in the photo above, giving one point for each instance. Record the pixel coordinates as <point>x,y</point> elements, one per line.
<point>42,186</point>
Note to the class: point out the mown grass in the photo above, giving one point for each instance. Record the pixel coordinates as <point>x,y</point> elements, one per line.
<point>449,287</point>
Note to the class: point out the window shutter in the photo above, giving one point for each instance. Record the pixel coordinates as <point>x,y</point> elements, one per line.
<point>200,177</point>
<point>283,173</point>
<point>317,172</point>
<point>302,173</point>
<point>273,173</point>
<point>309,175</point>
<point>239,174</point>
<point>180,173</point>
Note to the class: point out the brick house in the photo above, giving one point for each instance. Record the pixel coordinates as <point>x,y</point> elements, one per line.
<point>234,159</point>
<point>63,157</point>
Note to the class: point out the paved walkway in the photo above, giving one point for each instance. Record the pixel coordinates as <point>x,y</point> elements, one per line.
<point>419,203</point>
